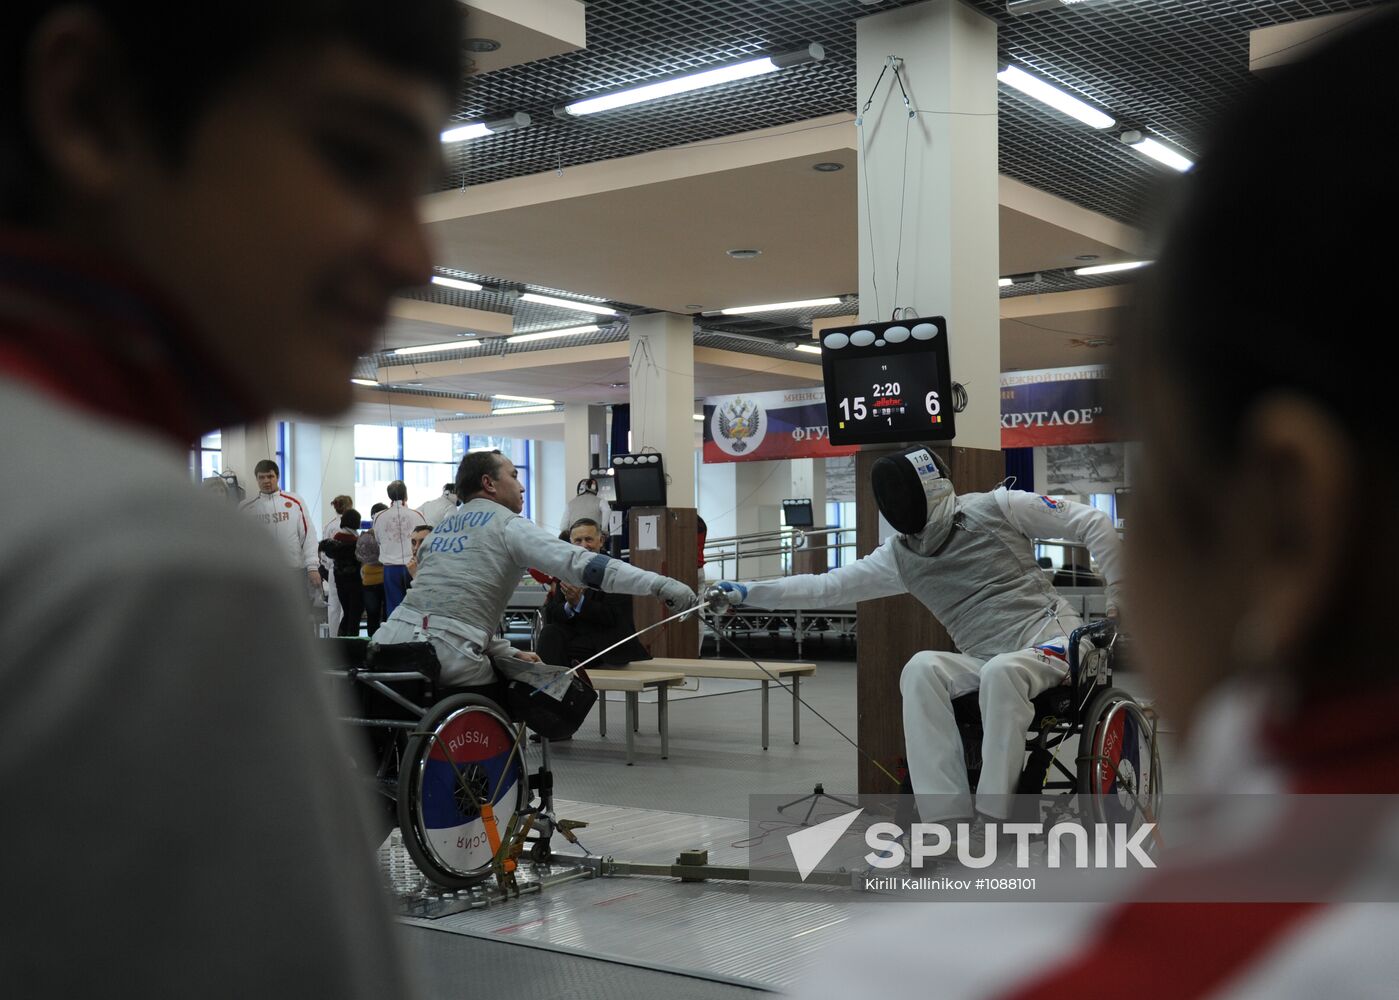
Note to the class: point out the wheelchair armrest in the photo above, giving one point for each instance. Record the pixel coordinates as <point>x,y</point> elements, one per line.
<point>1100,632</point>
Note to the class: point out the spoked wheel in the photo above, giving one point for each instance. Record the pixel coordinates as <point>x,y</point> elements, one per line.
<point>1119,763</point>
<point>463,754</point>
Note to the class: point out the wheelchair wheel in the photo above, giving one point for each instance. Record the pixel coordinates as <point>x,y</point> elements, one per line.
<point>1119,762</point>
<point>463,754</point>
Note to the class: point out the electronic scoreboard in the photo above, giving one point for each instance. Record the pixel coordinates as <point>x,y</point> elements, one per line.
<point>888,382</point>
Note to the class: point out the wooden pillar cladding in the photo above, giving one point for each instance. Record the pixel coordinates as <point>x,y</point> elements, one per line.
<point>811,558</point>
<point>889,631</point>
<point>676,556</point>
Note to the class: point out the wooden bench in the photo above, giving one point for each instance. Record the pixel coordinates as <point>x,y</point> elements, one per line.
<point>633,682</point>
<point>744,670</point>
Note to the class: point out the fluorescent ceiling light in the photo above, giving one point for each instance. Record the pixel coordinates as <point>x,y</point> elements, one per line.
<point>775,306</point>
<point>456,345</point>
<point>1130,265</point>
<point>809,348</point>
<point>507,411</point>
<point>1004,283</point>
<point>695,81</point>
<point>465,286</point>
<point>363,381</point>
<point>1161,153</point>
<point>549,300</point>
<point>699,416</point>
<point>476,130</point>
<point>1048,94</point>
<point>523,399</point>
<point>523,338</point>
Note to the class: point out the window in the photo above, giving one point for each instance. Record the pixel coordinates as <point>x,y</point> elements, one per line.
<point>423,459</point>
<point>519,452</point>
<point>206,457</point>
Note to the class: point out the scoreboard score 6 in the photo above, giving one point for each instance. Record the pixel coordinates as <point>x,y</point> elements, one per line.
<point>888,382</point>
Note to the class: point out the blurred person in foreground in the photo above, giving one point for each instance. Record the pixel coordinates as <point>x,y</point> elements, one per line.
<point>190,242</point>
<point>1263,544</point>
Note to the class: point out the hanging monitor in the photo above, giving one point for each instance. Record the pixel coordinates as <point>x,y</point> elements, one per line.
<point>639,479</point>
<point>798,514</point>
<point>888,382</point>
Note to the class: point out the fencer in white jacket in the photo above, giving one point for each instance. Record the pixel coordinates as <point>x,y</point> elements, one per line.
<point>968,559</point>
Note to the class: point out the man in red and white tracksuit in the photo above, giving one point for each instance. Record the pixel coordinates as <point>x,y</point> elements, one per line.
<point>393,528</point>
<point>285,516</point>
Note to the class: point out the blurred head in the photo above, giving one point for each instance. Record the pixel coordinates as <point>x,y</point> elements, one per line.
<point>416,538</point>
<point>341,503</point>
<point>398,491</point>
<point>267,474</point>
<point>1261,537</point>
<point>491,475</point>
<point>376,508</point>
<point>587,533</point>
<point>267,183</point>
<point>350,519</point>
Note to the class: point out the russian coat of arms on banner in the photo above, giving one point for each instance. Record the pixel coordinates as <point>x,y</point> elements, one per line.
<point>738,425</point>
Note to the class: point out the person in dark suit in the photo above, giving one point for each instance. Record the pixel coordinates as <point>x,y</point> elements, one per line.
<point>581,621</point>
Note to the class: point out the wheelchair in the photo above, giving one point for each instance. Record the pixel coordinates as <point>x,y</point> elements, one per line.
<point>1115,775</point>
<point>451,774</point>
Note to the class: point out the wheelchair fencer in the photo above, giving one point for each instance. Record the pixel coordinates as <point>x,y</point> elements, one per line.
<point>451,771</point>
<point>1115,775</point>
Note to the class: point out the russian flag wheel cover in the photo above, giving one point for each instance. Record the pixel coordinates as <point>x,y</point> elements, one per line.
<point>469,760</point>
<point>1118,777</point>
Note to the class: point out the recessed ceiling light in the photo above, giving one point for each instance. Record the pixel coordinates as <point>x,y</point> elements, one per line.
<point>456,345</point>
<point>1158,151</point>
<point>508,410</point>
<point>465,286</point>
<point>549,300</point>
<point>1130,265</point>
<point>415,383</point>
<point>1085,257</point>
<point>693,306</point>
<point>480,45</point>
<point>695,81</point>
<point>809,348</point>
<point>827,167</point>
<point>699,416</point>
<point>1059,100</point>
<point>1004,283</point>
<point>364,381</point>
<point>523,399</point>
<point>780,306</point>
<point>744,254</point>
<point>617,385</point>
<point>476,130</point>
<point>523,338</point>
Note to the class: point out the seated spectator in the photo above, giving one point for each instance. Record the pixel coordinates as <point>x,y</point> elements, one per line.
<point>581,621</point>
<point>415,542</point>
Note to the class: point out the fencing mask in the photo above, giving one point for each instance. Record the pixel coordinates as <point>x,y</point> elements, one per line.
<point>913,490</point>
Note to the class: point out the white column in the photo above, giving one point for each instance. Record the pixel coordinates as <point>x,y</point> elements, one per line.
<point>946,186</point>
<point>584,435</point>
<point>322,466</point>
<point>244,446</point>
<point>662,397</point>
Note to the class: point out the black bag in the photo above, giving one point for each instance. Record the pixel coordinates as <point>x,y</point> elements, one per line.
<point>553,720</point>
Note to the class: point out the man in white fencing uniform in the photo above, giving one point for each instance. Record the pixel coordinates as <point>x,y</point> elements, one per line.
<point>468,569</point>
<point>968,559</point>
<point>435,510</point>
<point>285,516</point>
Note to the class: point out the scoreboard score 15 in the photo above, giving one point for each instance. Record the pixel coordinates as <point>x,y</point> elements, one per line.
<point>888,382</point>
